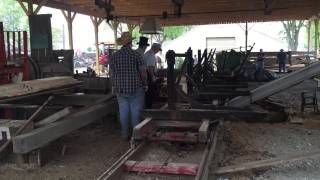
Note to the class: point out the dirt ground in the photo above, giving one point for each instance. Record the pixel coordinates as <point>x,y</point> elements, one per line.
<point>243,142</point>
<point>91,150</point>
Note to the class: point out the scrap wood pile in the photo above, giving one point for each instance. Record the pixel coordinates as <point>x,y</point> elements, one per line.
<point>32,123</point>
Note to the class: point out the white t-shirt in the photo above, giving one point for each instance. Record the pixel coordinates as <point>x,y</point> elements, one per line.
<point>150,58</point>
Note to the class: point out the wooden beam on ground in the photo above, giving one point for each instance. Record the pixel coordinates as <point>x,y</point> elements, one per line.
<point>266,163</point>
<point>157,167</point>
<point>30,120</point>
<point>178,124</point>
<point>54,117</point>
<point>203,171</point>
<point>18,106</point>
<point>143,129</point>
<point>44,135</point>
<point>70,99</point>
<point>199,114</point>
<point>204,130</point>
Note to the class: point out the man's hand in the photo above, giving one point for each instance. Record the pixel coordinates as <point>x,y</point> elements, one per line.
<point>145,88</point>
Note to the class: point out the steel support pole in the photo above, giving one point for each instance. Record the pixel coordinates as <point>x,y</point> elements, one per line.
<point>246,43</point>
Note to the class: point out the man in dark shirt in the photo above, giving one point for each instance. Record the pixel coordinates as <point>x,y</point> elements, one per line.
<point>128,77</point>
<point>282,57</point>
<point>260,61</point>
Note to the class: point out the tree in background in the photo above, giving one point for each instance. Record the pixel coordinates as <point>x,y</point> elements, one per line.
<point>57,38</point>
<point>312,34</point>
<point>172,32</point>
<point>12,16</point>
<point>291,31</point>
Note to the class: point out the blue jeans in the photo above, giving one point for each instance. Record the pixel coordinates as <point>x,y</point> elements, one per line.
<point>130,107</point>
<point>282,66</point>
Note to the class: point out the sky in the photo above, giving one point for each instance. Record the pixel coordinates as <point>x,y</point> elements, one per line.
<point>83,32</point>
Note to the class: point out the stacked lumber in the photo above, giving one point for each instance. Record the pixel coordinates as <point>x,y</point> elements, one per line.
<point>34,86</point>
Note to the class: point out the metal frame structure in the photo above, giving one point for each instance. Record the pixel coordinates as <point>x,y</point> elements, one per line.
<point>13,46</point>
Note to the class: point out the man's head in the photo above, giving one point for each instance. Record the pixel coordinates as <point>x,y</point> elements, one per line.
<point>125,39</point>
<point>281,50</point>
<point>156,47</point>
<point>261,50</point>
<point>143,43</point>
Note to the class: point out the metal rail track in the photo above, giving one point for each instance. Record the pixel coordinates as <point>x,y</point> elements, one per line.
<point>118,168</point>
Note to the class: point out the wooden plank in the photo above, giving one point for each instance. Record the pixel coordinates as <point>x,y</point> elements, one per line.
<point>198,114</point>
<point>278,85</point>
<point>69,99</point>
<point>142,130</point>
<point>162,168</point>
<point>54,117</point>
<point>39,137</point>
<point>178,124</point>
<point>208,153</point>
<point>204,130</point>
<point>269,162</point>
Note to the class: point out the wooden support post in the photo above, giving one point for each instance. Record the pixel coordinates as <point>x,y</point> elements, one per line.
<point>316,41</point>
<point>69,18</point>
<point>309,35</point>
<point>170,56</point>
<point>96,22</point>
<point>43,2</point>
<point>190,70</point>
<point>29,11</point>
<point>30,8</point>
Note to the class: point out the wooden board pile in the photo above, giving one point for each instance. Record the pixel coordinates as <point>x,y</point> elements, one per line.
<point>35,86</point>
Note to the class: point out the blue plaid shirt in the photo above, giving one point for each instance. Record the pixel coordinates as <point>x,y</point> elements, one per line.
<point>125,65</point>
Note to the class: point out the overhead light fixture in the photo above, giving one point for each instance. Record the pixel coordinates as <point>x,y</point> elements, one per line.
<point>151,26</point>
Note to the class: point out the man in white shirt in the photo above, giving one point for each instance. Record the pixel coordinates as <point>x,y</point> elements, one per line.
<point>151,60</point>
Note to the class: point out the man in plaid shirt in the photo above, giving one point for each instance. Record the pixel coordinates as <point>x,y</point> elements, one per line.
<point>128,77</point>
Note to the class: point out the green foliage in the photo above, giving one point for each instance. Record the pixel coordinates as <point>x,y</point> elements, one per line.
<point>291,31</point>
<point>57,38</point>
<point>312,33</point>
<point>173,32</point>
<point>169,33</point>
<point>179,62</point>
<point>12,15</point>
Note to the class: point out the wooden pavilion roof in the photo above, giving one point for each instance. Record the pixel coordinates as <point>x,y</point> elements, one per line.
<point>197,11</point>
